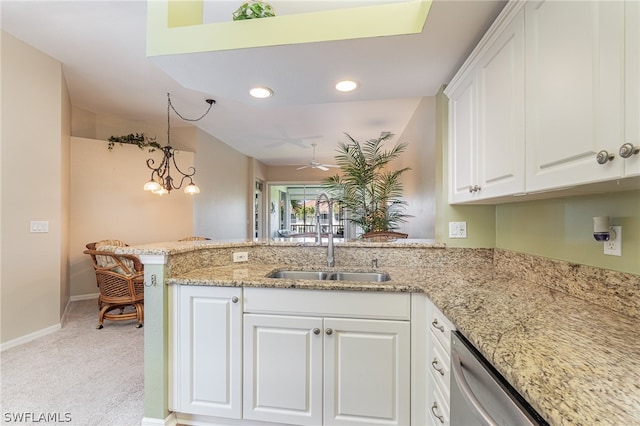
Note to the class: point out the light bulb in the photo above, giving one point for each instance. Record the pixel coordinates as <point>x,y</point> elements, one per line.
<point>261,92</point>
<point>152,185</point>
<point>346,85</point>
<point>160,191</point>
<point>191,189</point>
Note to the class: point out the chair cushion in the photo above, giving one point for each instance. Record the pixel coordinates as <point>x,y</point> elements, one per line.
<point>108,262</point>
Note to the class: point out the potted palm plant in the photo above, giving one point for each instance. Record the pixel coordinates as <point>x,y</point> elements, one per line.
<point>253,9</point>
<point>366,186</point>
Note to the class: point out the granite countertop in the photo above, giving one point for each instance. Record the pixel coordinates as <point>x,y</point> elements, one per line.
<point>576,363</point>
<point>176,247</point>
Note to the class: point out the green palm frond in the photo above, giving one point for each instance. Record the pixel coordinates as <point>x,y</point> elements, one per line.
<point>366,187</point>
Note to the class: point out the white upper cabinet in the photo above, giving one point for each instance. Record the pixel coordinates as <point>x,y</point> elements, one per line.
<point>549,99</point>
<point>632,87</point>
<point>462,145</point>
<point>501,113</point>
<point>574,92</point>
<point>486,119</point>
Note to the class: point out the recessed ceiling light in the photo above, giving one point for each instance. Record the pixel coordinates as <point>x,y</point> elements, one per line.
<point>261,92</point>
<point>346,85</point>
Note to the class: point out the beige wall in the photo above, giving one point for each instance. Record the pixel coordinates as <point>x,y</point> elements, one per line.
<point>419,182</point>
<point>34,110</point>
<point>65,198</point>
<point>107,187</point>
<point>107,202</point>
<point>222,210</point>
<point>86,124</point>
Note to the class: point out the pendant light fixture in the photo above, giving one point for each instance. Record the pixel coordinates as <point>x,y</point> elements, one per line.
<point>161,181</point>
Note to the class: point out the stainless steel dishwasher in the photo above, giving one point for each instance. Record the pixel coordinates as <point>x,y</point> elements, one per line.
<point>480,395</point>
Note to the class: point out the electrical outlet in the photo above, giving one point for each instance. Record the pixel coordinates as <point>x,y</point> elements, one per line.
<point>614,247</point>
<point>241,256</point>
<point>457,229</point>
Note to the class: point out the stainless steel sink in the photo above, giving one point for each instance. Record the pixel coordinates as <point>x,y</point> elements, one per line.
<point>299,275</point>
<point>360,276</point>
<point>332,276</point>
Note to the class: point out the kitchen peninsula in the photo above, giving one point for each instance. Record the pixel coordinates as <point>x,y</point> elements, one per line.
<point>563,335</point>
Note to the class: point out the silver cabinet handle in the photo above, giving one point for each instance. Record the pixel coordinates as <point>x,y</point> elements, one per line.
<point>603,156</point>
<point>437,325</point>
<point>434,407</point>
<point>235,299</point>
<point>628,149</point>
<point>329,331</point>
<point>434,364</point>
<point>316,331</point>
<point>474,188</point>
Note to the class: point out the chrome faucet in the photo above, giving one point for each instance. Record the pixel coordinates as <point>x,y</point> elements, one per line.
<point>323,197</point>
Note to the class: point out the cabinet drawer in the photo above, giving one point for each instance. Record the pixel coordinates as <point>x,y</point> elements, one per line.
<point>325,303</point>
<point>438,408</point>
<point>441,328</point>
<point>439,365</point>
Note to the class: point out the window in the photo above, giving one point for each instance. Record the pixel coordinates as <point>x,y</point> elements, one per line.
<point>293,211</point>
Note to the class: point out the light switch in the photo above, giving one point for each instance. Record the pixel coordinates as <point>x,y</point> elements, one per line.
<point>39,226</point>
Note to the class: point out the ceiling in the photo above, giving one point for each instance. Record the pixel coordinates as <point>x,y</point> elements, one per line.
<point>102,46</point>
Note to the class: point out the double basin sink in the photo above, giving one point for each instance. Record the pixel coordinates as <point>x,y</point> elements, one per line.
<point>331,276</point>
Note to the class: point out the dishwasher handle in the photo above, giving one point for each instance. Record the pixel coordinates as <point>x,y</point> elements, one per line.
<point>467,393</point>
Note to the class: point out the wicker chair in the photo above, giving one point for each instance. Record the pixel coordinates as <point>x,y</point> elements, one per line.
<point>121,282</point>
<point>383,235</point>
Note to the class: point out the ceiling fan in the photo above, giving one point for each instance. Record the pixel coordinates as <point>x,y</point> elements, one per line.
<point>315,164</point>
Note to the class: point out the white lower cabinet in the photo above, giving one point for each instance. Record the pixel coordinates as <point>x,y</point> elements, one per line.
<point>283,369</point>
<point>207,347</point>
<point>331,371</point>
<point>299,357</point>
<point>366,372</point>
<point>439,362</point>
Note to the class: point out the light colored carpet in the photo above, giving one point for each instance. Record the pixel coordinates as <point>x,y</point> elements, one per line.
<point>78,374</point>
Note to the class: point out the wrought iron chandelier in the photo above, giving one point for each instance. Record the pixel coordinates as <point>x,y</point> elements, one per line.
<point>161,181</point>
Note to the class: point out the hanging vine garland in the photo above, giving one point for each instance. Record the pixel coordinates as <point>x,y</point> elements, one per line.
<point>140,140</point>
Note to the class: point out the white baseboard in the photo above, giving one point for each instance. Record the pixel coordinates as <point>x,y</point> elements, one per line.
<point>66,309</point>
<point>84,297</point>
<point>171,420</point>
<point>52,329</point>
<point>29,337</point>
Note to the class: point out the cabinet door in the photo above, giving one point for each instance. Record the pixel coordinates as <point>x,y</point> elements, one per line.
<point>574,89</point>
<point>500,147</point>
<point>209,348</point>
<point>283,369</point>
<point>366,376</point>
<point>632,84</point>
<point>462,141</point>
